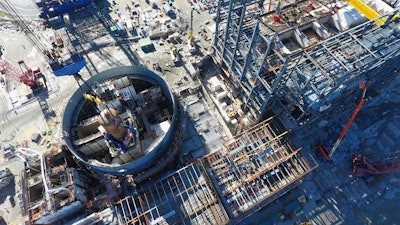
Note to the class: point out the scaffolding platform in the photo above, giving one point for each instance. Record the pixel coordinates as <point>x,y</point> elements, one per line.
<point>183,197</point>
<point>255,167</point>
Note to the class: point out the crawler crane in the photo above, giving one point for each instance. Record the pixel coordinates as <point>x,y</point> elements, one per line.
<point>69,63</point>
<point>23,74</point>
<point>363,166</point>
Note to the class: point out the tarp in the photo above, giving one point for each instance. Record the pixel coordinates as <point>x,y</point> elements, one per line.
<point>380,6</point>
<point>144,42</point>
<point>347,17</point>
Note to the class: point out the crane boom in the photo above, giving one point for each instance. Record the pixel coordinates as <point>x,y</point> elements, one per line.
<point>22,24</point>
<point>352,118</point>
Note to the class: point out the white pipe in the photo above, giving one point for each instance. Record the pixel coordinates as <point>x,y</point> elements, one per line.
<point>91,219</point>
<point>48,191</point>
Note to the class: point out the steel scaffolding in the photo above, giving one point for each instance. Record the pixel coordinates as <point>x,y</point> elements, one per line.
<point>256,165</point>
<point>298,54</point>
<point>183,197</point>
<point>242,50</point>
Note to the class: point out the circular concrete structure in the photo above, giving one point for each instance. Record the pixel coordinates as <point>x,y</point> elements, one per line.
<point>135,90</point>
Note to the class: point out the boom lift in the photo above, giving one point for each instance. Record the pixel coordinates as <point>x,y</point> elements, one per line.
<point>174,54</point>
<point>321,148</point>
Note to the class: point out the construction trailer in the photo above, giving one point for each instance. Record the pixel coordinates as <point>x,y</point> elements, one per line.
<point>256,167</point>
<point>299,58</point>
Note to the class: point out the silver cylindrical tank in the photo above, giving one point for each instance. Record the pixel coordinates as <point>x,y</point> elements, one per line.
<point>112,123</point>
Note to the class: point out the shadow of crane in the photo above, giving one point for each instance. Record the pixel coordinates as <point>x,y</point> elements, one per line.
<point>87,30</point>
<point>121,40</point>
<point>41,94</point>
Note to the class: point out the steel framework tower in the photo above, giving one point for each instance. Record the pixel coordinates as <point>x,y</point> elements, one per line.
<point>300,55</point>
<point>242,50</point>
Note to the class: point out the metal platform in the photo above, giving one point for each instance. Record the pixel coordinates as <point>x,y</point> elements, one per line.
<point>183,197</point>
<point>299,54</point>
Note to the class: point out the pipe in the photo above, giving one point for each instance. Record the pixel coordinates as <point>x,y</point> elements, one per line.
<point>48,191</point>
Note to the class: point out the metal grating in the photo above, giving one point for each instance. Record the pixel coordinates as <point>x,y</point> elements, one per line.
<point>298,56</point>
<point>184,197</point>
<point>256,165</point>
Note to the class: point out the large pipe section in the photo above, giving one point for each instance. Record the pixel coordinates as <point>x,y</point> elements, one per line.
<point>30,152</point>
<point>112,123</point>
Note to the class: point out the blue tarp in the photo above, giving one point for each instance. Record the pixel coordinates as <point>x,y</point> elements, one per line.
<point>69,69</point>
<point>51,8</point>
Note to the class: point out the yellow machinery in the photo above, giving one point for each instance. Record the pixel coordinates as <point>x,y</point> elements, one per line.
<point>174,54</point>
<point>191,42</point>
<point>192,48</point>
<point>306,223</point>
<point>92,98</point>
<point>367,11</point>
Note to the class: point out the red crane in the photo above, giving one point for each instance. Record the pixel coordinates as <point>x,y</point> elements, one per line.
<point>363,86</point>
<point>363,166</point>
<point>321,148</point>
<point>24,74</point>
